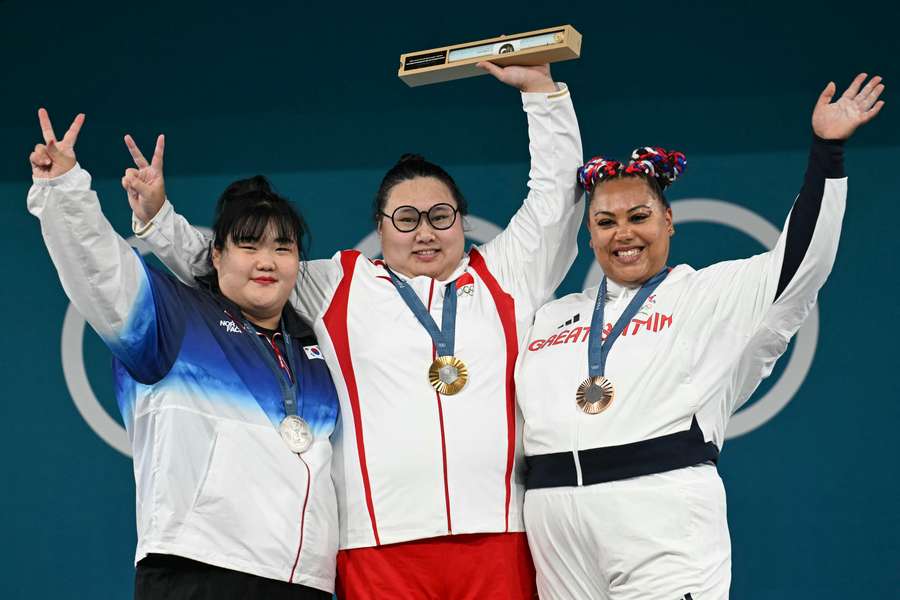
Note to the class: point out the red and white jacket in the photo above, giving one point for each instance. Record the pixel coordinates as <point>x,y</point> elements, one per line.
<point>410,463</point>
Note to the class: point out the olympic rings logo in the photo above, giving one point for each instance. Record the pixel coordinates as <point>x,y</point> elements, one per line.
<point>695,210</point>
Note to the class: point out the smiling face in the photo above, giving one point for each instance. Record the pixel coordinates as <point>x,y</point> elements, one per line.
<point>630,229</point>
<point>424,251</point>
<point>258,275</point>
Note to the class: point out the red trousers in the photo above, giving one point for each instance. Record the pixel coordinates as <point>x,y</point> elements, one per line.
<point>454,567</point>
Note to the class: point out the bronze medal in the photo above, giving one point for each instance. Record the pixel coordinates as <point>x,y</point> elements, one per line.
<point>448,375</point>
<point>595,394</point>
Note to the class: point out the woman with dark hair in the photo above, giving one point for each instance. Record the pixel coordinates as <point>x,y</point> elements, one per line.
<point>422,346</point>
<point>627,389</point>
<point>226,404</point>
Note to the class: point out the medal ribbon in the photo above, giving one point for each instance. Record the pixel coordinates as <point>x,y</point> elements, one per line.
<point>278,355</point>
<point>598,350</point>
<point>444,338</point>
<point>288,385</point>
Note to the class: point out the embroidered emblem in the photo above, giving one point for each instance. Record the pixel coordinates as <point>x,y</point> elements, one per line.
<point>647,309</point>
<point>465,285</point>
<point>313,352</point>
<point>230,326</point>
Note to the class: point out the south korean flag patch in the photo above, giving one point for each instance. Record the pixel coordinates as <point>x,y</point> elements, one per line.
<point>313,352</point>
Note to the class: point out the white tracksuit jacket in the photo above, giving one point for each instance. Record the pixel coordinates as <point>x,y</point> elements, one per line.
<point>214,481</point>
<point>410,463</point>
<point>693,354</point>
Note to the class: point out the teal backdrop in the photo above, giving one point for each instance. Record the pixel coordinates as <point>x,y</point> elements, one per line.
<point>308,95</point>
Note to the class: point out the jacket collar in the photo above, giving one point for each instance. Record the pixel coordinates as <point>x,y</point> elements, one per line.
<point>294,324</point>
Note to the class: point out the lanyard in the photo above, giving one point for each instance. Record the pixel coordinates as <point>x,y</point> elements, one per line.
<point>444,338</point>
<point>288,385</point>
<point>598,350</point>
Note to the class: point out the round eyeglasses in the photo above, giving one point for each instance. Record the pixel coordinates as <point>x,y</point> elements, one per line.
<point>407,218</point>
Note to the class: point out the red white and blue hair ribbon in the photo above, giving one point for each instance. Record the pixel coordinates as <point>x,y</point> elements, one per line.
<point>649,161</point>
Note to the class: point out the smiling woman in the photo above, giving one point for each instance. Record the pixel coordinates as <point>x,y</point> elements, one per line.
<point>422,345</point>
<point>629,218</point>
<point>623,497</point>
<point>206,380</point>
<point>412,189</point>
<point>257,240</point>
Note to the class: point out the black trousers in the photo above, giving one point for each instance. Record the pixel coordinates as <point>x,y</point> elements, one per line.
<point>166,577</point>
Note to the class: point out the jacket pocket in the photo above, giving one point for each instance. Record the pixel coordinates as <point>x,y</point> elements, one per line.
<point>250,499</point>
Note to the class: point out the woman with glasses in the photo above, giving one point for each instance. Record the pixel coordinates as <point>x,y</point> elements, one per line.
<point>422,346</point>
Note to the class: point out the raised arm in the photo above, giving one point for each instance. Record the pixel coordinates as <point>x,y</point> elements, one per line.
<point>760,302</point>
<point>184,249</point>
<point>100,273</point>
<point>532,255</point>
<point>810,237</point>
<point>181,247</point>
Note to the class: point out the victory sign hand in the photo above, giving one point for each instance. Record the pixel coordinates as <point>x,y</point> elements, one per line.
<point>145,185</point>
<point>54,157</point>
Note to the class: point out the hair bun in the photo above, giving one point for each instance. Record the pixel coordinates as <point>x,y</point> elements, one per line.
<point>246,190</point>
<point>409,157</point>
<point>656,162</point>
<point>596,170</point>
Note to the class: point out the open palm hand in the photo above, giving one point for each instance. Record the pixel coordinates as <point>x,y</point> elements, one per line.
<point>838,120</point>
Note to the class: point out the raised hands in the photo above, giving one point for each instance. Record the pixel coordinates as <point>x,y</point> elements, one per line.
<point>145,185</point>
<point>838,120</point>
<point>54,157</point>
<point>525,79</point>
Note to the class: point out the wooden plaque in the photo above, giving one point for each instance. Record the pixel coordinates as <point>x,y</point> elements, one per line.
<point>456,62</point>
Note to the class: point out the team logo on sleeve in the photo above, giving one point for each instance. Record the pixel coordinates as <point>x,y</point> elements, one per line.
<point>313,352</point>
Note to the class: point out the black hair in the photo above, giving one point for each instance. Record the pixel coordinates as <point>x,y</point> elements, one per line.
<point>245,211</point>
<point>652,184</point>
<point>409,167</point>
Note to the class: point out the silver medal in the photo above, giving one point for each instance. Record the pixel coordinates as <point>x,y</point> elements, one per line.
<point>296,433</point>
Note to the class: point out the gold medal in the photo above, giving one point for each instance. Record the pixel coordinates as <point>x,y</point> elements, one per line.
<point>448,375</point>
<point>595,394</point>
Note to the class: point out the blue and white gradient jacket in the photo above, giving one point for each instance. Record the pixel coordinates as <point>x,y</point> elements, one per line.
<point>215,482</point>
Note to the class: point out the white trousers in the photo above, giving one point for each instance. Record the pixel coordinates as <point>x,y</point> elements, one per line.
<point>662,536</point>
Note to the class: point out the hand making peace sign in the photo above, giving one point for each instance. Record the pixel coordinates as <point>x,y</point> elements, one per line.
<point>145,185</point>
<point>53,158</point>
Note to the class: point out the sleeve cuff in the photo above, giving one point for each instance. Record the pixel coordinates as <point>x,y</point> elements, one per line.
<point>69,179</point>
<point>142,229</point>
<point>562,91</point>
<point>827,156</point>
